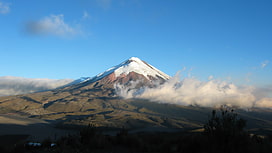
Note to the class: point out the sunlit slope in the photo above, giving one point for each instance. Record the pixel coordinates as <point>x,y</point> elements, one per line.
<point>69,108</point>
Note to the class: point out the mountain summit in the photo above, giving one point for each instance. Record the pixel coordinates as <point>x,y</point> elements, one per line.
<point>130,68</point>
<point>133,69</point>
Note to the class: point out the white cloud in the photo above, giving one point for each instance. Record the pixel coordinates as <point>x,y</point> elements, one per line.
<point>190,91</point>
<point>52,25</point>
<point>4,8</point>
<point>264,64</point>
<point>10,85</point>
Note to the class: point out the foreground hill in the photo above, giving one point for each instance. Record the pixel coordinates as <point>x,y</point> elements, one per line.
<point>92,106</point>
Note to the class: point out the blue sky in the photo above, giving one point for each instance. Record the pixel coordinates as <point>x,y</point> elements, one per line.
<point>224,39</point>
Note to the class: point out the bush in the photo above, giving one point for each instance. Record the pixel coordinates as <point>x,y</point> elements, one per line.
<point>226,132</point>
<point>226,124</point>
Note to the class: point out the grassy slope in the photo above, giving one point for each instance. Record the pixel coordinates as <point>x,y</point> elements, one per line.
<point>93,104</point>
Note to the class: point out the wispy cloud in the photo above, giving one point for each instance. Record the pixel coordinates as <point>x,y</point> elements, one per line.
<point>105,4</point>
<point>210,77</point>
<point>85,15</point>
<point>52,25</point>
<point>10,85</point>
<point>4,8</point>
<point>264,64</point>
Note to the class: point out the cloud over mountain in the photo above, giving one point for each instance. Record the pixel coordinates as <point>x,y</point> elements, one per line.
<point>10,85</point>
<point>190,91</point>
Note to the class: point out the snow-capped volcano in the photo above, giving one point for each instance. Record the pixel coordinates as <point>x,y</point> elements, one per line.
<point>131,69</point>
<point>136,65</point>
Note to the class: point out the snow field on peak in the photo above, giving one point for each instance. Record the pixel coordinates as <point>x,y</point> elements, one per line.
<point>140,67</point>
<point>133,64</point>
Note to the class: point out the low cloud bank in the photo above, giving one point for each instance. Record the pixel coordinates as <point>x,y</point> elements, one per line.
<point>190,91</point>
<point>10,85</point>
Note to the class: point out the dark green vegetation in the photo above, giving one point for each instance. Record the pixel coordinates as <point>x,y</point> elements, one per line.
<point>7,142</point>
<point>223,132</point>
